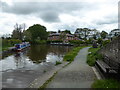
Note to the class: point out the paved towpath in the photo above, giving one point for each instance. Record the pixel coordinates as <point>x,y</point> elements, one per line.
<point>76,75</point>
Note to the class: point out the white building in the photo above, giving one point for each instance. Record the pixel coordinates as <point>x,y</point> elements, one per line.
<point>114,32</point>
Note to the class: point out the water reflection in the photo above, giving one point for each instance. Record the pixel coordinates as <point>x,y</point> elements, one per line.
<point>33,56</point>
<point>37,53</point>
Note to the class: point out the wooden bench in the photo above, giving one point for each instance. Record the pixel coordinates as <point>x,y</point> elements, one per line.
<point>107,68</point>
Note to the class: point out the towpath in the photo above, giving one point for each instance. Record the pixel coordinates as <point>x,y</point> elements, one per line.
<point>76,75</point>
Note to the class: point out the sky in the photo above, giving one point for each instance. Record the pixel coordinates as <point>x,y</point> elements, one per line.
<point>59,14</point>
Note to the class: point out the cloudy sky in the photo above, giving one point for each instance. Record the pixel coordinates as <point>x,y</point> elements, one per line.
<point>59,15</point>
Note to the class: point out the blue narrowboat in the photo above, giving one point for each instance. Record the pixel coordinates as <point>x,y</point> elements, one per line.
<point>21,46</point>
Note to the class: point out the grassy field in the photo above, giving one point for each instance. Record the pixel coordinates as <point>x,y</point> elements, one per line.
<point>93,56</point>
<point>106,83</point>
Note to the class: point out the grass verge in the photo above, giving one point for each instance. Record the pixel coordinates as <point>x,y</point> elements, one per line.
<point>71,55</point>
<point>58,62</point>
<point>4,48</point>
<point>106,83</point>
<point>46,83</point>
<point>93,56</point>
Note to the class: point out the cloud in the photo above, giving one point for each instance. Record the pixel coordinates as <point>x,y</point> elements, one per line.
<point>49,12</point>
<point>107,20</point>
<point>49,16</point>
<point>60,15</point>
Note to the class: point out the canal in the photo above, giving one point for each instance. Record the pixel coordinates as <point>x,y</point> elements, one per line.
<point>30,63</point>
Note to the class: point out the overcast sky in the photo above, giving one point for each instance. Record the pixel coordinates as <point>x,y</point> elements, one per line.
<point>59,15</point>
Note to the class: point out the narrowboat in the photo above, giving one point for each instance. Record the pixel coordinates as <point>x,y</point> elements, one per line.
<point>21,46</point>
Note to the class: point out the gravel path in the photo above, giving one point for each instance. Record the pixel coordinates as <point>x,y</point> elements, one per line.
<point>76,75</point>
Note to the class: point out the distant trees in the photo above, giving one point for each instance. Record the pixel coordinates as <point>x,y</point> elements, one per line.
<point>85,33</point>
<point>67,31</point>
<point>18,31</point>
<point>82,32</point>
<point>33,33</point>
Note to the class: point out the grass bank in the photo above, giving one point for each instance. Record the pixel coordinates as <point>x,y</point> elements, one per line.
<point>6,43</point>
<point>93,56</point>
<point>71,55</point>
<point>106,83</point>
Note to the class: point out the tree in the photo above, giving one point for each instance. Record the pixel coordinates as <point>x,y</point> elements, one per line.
<point>103,34</point>
<point>96,34</point>
<point>67,31</point>
<point>17,32</point>
<point>37,32</point>
<point>59,31</point>
<point>26,35</point>
<point>83,32</point>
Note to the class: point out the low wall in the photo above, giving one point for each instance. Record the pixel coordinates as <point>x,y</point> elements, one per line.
<point>112,50</point>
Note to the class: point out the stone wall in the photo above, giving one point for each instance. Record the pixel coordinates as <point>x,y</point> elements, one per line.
<point>112,51</point>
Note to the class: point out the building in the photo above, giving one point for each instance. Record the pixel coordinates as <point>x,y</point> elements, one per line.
<point>62,36</point>
<point>54,36</point>
<point>114,32</point>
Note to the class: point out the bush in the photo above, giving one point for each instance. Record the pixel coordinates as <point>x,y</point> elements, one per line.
<point>9,43</point>
<point>14,41</point>
<point>105,42</point>
<point>88,41</point>
<point>58,62</point>
<point>76,42</point>
<point>99,41</point>
<point>55,41</point>
<point>93,56</point>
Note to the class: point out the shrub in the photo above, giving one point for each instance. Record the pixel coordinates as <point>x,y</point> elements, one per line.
<point>99,41</point>
<point>76,42</point>
<point>9,43</point>
<point>58,62</point>
<point>105,42</point>
<point>93,56</point>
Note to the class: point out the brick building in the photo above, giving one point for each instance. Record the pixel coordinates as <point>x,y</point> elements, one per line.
<point>61,36</point>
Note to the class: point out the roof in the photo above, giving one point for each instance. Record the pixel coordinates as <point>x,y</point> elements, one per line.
<point>57,34</point>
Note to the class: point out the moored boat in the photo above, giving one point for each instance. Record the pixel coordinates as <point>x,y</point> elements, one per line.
<point>21,46</point>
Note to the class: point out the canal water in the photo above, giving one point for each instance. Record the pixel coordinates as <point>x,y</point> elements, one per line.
<point>34,56</point>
